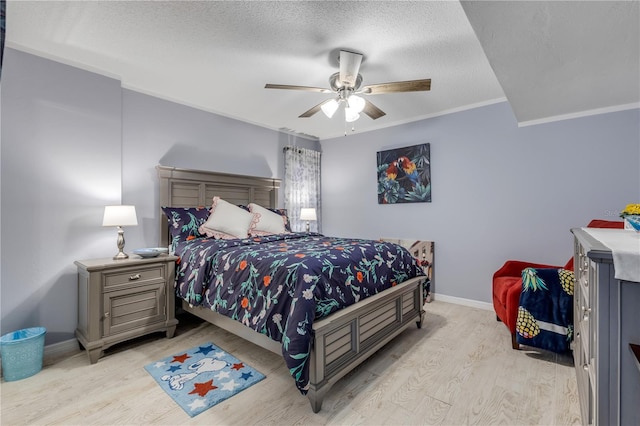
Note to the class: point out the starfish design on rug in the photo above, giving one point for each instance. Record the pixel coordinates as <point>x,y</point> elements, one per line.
<point>173,368</point>
<point>223,375</point>
<point>180,358</point>
<point>197,403</point>
<point>237,366</point>
<point>203,388</point>
<point>204,349</point>
<point>246,376</point>
<point>230,386</point>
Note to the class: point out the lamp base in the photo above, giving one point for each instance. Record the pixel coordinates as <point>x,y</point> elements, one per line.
<point>308,227</point>
<point>121,255</point>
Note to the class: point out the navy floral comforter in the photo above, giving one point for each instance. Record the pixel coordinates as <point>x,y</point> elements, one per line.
<point>278,284</point>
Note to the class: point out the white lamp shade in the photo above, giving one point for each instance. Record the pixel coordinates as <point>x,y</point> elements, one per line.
<point>350,115</point>
<point>308,214</point>
<point>356,103</point>
<point>329,108</point>
<point>119,216</point>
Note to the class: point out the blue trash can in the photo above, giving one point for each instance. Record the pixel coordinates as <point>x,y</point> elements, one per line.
<point>22,353</point>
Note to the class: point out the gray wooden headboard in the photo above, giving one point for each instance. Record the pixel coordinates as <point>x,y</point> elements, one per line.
<point>194,188</point>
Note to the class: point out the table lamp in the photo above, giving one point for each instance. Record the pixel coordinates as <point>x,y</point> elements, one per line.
<point>308,214</point>
<point>120,216</point>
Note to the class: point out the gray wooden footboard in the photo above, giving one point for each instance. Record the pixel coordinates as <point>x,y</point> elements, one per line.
<point>349,336</point>
<point>344,339</point>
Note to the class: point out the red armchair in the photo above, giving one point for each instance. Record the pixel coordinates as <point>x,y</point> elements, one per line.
<point>507,283</point>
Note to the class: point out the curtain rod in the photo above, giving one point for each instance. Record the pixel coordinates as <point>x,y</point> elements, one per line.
<point>287,148</point>
<point>300,150</point>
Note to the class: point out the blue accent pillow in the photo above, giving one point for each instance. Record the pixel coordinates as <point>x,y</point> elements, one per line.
<point>184,222</point>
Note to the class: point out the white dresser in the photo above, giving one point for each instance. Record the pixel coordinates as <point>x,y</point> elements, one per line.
<point>606,330</point>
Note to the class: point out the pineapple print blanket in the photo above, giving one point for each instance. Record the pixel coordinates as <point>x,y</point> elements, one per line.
<point>545,314</point>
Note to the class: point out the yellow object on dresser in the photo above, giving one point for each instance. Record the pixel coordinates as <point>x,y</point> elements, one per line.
<point>122,299</point>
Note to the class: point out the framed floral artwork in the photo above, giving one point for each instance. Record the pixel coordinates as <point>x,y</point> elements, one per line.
<point>404,175</point>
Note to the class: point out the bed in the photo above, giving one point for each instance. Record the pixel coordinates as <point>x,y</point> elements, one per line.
<point>339,341</point>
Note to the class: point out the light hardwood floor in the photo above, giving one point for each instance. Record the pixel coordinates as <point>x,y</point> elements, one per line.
<point>458,369</point>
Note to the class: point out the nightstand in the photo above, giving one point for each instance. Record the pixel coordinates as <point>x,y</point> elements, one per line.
<point>122,299</point>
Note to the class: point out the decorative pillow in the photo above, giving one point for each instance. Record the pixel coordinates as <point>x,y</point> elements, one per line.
<point>226,221</point>
<point>266,221</point>
<point>281,212</point>
<point>285,218</point>
<point>184,222</point>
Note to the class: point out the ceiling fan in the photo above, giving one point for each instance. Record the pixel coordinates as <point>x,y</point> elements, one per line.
<point>346,84</point>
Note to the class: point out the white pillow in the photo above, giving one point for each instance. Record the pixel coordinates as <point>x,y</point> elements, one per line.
<point>226,221</point>
<point>265,222</point>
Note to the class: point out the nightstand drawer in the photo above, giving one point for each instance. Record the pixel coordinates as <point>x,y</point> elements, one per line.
<point>137,275</point>
<point>132,309</point>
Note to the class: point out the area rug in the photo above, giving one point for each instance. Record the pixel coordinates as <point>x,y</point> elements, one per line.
<point>201,377</point>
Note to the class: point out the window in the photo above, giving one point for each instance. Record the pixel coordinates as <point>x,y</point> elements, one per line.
<point>302,186</point>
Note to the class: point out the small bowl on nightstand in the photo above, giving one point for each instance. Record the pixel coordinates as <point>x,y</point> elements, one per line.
<point>146,252</point>
<point>161,250</point>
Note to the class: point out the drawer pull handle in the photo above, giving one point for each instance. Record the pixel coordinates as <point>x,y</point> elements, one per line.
<point>134,277</point>
<point>106,314</point>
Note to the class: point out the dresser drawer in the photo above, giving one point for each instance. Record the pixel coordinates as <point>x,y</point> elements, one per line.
<point>582,270</point>
<point>138,275</point>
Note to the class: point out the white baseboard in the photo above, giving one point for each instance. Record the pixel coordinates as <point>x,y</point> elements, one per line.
<point>60,349</point>
<point>460,301</point>
<point>56,351</point>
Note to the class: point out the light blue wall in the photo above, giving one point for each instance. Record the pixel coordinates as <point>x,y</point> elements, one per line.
<point>498,191</point>
<point>74,141</point>
<point>60,165</point>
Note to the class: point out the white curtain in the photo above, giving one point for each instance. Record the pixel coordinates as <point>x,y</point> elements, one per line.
<point>302,186</point>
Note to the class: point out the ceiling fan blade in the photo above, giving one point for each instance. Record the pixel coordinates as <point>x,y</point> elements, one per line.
<point>349,67</point>
<point>372,111</point>
<point>397,86</point>
<point>290,87</point>
<point>313,110</point>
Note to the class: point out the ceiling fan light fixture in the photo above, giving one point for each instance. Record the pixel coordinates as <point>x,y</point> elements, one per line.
<point>330,108</point>
<point>346,84</point>
<point>356,103</point>
<point>350,115</point>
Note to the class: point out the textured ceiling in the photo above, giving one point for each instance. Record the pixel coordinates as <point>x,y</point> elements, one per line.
<point>217,56</point>
<point>561,58</point>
